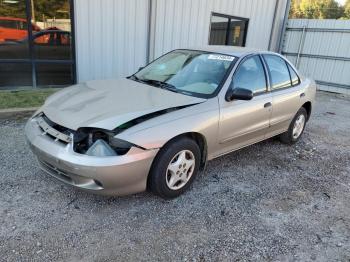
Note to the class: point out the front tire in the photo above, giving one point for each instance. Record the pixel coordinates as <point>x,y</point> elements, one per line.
<point>296,128</point>
<point>174,168</point>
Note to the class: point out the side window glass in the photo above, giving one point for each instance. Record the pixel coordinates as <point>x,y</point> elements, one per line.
<point>22,25</point>
<point>65,39</point>
<point>250,75</point>
<point>9,24</point>
<point>45,39</point>
<point>294,76</point>
<point>279,72</point>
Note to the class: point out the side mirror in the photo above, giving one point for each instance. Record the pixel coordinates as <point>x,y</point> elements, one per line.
<point>239,94</point>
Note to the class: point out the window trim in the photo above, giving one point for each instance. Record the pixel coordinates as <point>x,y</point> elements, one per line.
<point>267,80</point>
<point>290,75</point>
<point>230,17</point>
<point>267,74</point>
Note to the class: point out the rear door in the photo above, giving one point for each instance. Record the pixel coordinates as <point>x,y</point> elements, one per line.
<point>287,95</point>
<point>245,122</point>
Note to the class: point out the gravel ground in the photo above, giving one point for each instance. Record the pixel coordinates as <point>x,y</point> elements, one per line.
<point>265,202</point>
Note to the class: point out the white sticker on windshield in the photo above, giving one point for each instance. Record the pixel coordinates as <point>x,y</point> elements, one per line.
<point>221,57</point>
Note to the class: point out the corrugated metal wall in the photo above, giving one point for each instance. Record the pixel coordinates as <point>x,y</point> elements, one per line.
<point>324,51</point>
<point>111,37</point>
<point>184,23</point>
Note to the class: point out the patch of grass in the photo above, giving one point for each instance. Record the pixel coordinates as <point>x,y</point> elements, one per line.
<point>25,98</point>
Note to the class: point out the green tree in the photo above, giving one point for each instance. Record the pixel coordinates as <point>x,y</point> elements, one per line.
<point>42,9</point>
<point>316,9</point>
<point>50,9</point>
<point>295,11</point>
<point>347,9</point>
<point>17,10</point>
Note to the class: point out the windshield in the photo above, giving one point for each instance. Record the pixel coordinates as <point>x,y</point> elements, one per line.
<point>190,72</point>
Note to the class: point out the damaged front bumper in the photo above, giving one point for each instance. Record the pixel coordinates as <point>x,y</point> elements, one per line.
<point>112,175</point>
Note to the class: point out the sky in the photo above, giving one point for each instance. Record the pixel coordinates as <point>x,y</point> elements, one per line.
<point>342,2</point>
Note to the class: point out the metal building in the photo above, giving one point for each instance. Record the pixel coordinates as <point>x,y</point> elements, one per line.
<point>97,39</point>
<point>319,48</point>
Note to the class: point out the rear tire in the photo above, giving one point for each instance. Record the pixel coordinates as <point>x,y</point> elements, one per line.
<point>174,168</point>
<point>296,128</point>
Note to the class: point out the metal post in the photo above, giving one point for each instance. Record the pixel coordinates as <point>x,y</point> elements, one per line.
<point>33,11</point>
<point>30,41</point>
<point>301,45</point>
<point>284,26</point>
<point>273,23</point>
<point>149,29</point>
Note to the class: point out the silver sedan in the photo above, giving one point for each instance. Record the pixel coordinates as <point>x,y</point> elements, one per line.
<point>157,128</point>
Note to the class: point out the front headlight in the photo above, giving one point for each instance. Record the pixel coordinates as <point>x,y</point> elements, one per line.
<point>118,143</point>
<point>98,142</point>
<point>100,148</point>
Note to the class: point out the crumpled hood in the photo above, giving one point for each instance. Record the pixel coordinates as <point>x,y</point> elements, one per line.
<point>109,103</point>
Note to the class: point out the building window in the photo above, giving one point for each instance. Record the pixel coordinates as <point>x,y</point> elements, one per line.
<point>228,30</point>
<point>36,43</point>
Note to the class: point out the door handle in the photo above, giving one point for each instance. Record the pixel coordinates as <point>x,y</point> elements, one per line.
<point>267,105</point>
<point>302,95</point>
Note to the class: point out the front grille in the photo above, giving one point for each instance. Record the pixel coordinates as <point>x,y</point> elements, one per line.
<point>53,130</point>
<point>56,126</point>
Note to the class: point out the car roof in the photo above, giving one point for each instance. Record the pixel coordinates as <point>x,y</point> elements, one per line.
<point>229,50</point>
<point>45,31</point>
<point>12,19</point>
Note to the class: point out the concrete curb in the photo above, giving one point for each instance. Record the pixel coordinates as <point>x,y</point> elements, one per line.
<point>11,113</point>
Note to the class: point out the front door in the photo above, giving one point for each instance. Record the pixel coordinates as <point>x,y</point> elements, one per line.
<point>245,122</point>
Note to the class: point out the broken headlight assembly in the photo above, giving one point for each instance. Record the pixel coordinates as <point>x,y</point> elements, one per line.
<point>99,142</point>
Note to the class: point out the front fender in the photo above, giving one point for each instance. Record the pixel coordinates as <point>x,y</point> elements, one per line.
<point>154,133</point>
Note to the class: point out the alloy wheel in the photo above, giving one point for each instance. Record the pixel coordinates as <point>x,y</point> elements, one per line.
<point>180,169</point>
<point>298,126</point>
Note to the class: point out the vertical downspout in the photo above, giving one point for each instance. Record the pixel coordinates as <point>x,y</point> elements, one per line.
<point>284,25</point>
<point>301,45</point>
<point>149,28</point>
<point>273,24</point>
<point>74,48</point>
<point>30,41</point>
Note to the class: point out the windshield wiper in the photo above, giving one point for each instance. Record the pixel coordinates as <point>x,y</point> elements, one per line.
<point>161,84</point>
<point>134,77</point>
<point>156,83</point>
